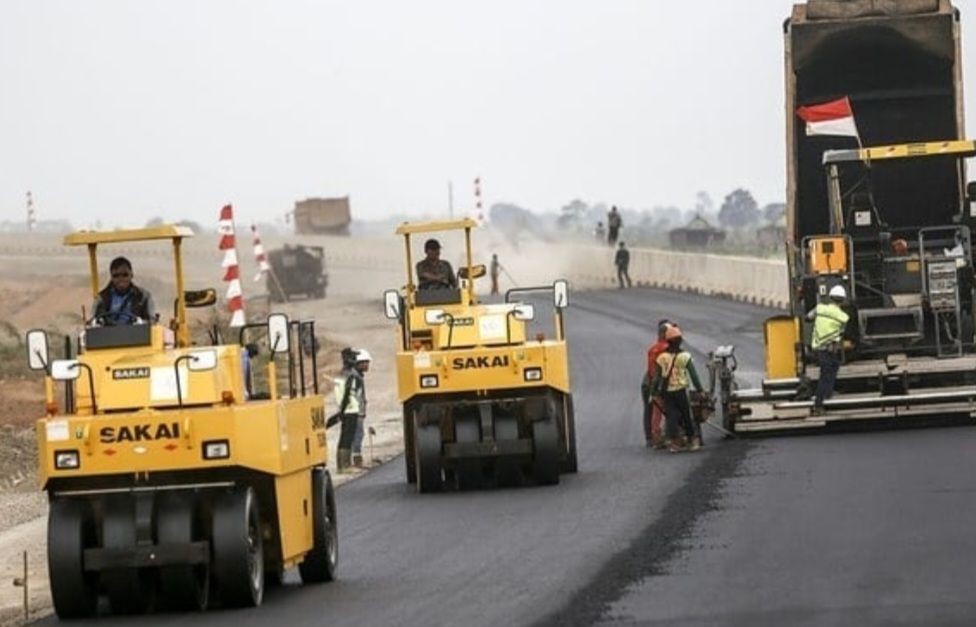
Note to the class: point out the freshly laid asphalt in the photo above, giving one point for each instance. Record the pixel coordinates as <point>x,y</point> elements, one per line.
<point>838,529</point>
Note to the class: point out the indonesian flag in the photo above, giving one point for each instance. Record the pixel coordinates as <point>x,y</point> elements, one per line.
<point>830,118</point>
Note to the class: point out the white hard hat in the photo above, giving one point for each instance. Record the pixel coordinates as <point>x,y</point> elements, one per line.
<point>838,292</point>
<point>363,355</point>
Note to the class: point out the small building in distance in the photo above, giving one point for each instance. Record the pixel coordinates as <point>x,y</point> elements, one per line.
<point>322,216</point>
<point>697,234</point>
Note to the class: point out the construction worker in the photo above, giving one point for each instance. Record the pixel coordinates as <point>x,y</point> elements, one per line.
<point>674,375</point>
<point>599,232</point>
<point>829,322</point>
<point>350,397</point>
<point>432,271</point>
<point>622,261</point>
<point>654,406</point>
<point>121,302</point>
<point>494,271</point>
<point>363,359</point>
<point>614,223</point>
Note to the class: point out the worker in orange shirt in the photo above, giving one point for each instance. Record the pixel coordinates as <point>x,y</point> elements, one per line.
<point>653,406</point>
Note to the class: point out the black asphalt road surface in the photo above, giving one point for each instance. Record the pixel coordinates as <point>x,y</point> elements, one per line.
<point>836,529</point>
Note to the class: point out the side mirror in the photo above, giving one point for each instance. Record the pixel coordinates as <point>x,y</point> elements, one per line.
<point>391,304</point>
<point>65,369</point>
<point>477,272</point>
<point>434,317</point>
<point>560,294</point>
<point>278,333</point>
<point>971,191</point>
<point>38,353</point>
<point>524,313</point>
<point>200,298</point>
<point>199,361</point>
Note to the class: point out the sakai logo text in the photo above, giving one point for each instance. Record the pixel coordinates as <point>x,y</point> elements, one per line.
<point>139,433</point>
<point>464,363</point>
<point>130,373</point>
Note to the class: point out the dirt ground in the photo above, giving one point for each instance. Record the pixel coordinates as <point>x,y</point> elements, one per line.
<point>54,301</point>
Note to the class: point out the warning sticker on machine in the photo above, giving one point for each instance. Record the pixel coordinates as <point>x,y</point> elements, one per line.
<point>162,384</point>
<point>491,327</point>
<point>57,430</point>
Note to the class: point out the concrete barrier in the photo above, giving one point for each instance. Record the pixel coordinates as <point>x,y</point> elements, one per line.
<point>759,281</point>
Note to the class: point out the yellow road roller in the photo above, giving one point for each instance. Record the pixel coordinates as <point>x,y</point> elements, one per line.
<point>176,474</point>
<point>484,401</point>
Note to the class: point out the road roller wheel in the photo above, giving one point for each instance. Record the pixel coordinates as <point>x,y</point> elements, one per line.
<point>409,455</point>
<point>427,457</point>
<point>467,475</point>
<point>546,452</point>
<point>71,530</point>
<point>322,562</point>
<point>130,590</point>
<point>570,463</point>
<point>237,548</point>
<point>508,471</point>
<point>184,588</point>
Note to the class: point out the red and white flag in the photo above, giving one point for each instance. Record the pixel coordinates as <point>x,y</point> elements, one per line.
<point>232,270</point>
<point>830,118</point>
<point>259,255</point>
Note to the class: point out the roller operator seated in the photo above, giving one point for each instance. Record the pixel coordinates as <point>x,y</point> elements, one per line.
<point>122,302</point>
<point>434,273</point>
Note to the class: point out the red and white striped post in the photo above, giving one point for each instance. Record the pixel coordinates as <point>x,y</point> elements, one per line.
<point>232,270</point>
<point>479,213</point>
<point>31,214</point>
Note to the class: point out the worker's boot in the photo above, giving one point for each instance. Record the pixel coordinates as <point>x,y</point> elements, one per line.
<point>695,444</point>
<point>342,459</point>
<point>357,460</point>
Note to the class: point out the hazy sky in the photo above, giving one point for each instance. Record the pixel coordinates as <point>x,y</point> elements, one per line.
<point>123,110</point>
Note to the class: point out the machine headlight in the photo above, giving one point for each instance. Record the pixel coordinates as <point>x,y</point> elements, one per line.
<point>532,374</point>
<point>428,381</point>
<point>216,449</point>
<point>66,460</point>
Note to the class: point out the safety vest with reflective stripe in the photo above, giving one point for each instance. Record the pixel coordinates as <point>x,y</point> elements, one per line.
<point>677,373</point>
<point>828,325</point>
<point>352,404</point>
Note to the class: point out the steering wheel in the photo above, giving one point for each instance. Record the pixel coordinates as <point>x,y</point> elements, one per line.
<point>113,318</point>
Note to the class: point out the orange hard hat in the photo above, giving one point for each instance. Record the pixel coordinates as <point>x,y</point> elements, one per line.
<point>673,333</point>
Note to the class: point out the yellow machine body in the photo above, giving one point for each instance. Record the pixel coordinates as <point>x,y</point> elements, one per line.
<point>827,255</point>
<point>141,424</point>
<point>461,360</point>
<point>781,336</point>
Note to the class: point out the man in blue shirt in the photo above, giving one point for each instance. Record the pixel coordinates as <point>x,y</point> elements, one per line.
<point>121,302</point>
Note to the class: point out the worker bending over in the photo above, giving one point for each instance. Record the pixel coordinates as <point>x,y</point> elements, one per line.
<point>675,374</point>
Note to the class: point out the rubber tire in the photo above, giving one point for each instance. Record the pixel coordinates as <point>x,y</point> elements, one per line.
<point>570,464</point>
<point>409,451</point>
<point>321,564</point>
<point>546,451</point>
<point>468,474</point>
<point>181,587</point>
<point>427,447</point>
<point>129,590</point>
<point>70,530</point>
<point>508,471</point>
<point>237,546</point>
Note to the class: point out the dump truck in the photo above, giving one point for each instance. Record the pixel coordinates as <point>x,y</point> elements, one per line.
<point>484,402</point>
<point>171,473</point>
<point>886,214</point>
<point>297,270</point>
<point>323,216</point>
